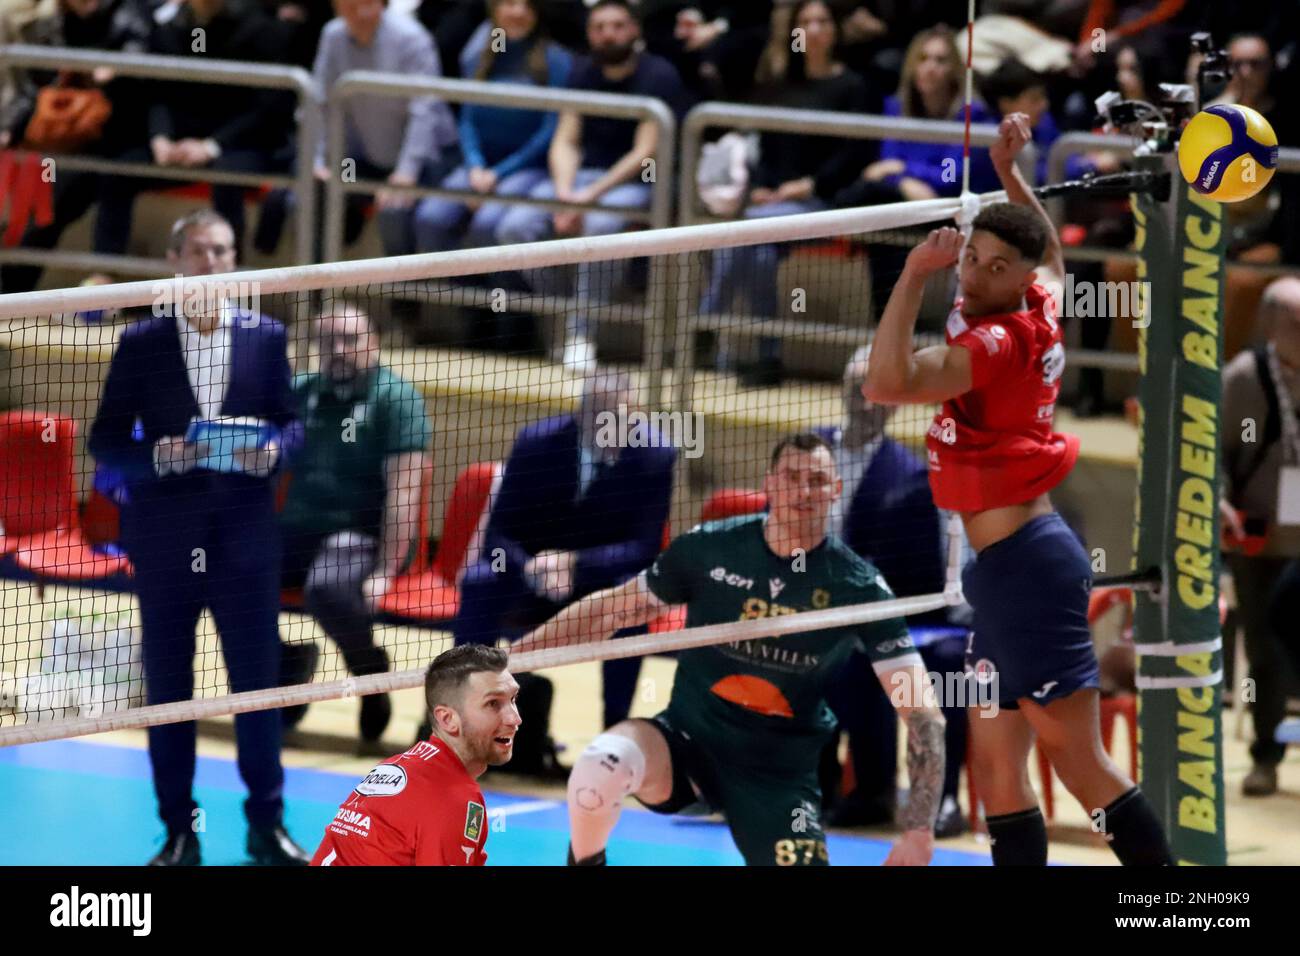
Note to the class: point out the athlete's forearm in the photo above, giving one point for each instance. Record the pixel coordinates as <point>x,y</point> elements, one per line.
<point>580,622</point>
<point>892,362</point>
<point>1020,193</point>
<point>401,525</point>
<point>925,761</point>
<point>594,618</point>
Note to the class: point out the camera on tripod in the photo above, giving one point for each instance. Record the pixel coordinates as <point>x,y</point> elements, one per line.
<point>1157,125</point>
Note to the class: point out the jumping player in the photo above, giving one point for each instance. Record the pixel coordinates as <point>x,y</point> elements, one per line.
<point>747,720</point>
<point>423,807</point>
<point>993,457</point>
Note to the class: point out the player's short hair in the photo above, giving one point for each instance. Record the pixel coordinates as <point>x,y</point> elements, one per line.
<point>801,441</point>
<point>1009,80</point>
<point>632,7</point>
<point>1018,226</point>
<point>446,676</point>
<point>194,220</point>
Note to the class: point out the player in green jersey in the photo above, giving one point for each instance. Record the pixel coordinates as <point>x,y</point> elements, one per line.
<point>747,720</point>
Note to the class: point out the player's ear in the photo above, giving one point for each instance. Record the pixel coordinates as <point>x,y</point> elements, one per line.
<point>446,718</point>
<point>1030,278</point>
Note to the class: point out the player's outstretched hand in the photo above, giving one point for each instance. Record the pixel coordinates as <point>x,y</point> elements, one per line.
<point>940,250</point>
<point>1013,133</point>
<point>913,848</point>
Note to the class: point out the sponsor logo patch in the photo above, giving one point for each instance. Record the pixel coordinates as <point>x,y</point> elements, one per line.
<point>386,780</point>
<point>992,337</point>
<point>984,670</point>
<point>473,821</point>
<point>735,580</point>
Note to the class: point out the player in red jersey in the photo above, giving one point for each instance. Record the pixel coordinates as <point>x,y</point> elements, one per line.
<point>423,807</point>
<point>993,458</point>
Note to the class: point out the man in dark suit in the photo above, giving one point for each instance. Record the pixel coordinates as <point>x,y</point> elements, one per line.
<point>576,513</point>
<point>209,125</point>
<point>887,515</point>
<point>198,536</point>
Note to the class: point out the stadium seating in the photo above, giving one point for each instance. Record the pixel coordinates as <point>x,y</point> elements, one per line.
<point>428,592</point>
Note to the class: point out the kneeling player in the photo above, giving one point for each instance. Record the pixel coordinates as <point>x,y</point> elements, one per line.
<point>993,457</point>
<point>747,721</point>
<point>423,807</point>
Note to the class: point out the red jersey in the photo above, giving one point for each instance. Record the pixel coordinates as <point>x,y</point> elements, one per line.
<point>420,808</point>
<point>993,445</point>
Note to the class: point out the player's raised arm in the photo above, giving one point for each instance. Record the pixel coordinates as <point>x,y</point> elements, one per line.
<point>595,618</point>
<point>909,690</point>
<point>895,373</point>
<point>1013,133</point>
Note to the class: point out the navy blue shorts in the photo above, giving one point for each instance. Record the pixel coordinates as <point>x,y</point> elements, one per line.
<point>1030,597</point>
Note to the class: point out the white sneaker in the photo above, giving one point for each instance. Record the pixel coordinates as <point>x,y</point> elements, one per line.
<point>579,357</point>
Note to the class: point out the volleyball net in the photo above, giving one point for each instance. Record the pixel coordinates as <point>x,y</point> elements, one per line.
<point>492,432</point>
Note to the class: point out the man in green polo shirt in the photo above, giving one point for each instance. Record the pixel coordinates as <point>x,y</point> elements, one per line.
<point>351,518</point>
<point>747,720</point>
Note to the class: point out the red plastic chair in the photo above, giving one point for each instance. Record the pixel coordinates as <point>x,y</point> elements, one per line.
<point>732,502</point>
<point>428,591</point>
<point>39,501</point>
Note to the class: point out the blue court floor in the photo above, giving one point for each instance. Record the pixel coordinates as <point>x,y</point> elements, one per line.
<point>70,803</point>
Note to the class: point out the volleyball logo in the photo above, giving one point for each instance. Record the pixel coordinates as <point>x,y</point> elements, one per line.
<point>1228,153</point>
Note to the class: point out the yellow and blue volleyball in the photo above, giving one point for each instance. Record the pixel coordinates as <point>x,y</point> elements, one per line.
<point>1228,153</point>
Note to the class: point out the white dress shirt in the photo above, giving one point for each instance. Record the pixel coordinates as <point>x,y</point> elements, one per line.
<point>207,362</point>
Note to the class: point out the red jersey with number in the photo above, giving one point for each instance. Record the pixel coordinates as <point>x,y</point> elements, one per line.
<point>993,445</point>
<point>420,808</point>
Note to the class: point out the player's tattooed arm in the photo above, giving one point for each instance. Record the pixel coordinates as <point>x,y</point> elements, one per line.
<point>925,762</point>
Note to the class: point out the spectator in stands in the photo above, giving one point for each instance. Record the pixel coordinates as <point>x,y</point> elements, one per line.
<point>461,33</point>
<point>575,513</point>
<point>505,148</point>
<point>406,142</point>
<point>1263,385</point>
<point>112,25</point>
<point>1108,22</point>
<point>886,515</point>
<point>598,160</point>
<point>714,44</point>
<point>1015,88</point>
<point>201,533</point>
<point>352,514</point>
<point>796,173</point>
<point>300,24</point>
<point>1262,228</point>
<point>1132,69</point>
<point>931,87</point>
<point>200,125</point>
<point>875,34</point>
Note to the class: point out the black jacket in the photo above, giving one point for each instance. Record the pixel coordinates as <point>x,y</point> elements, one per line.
<point>236,117</point>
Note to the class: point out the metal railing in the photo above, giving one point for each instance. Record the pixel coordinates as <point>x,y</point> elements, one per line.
<point>814,123</point>
<point>638,108</point>
<point>185,70</point>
